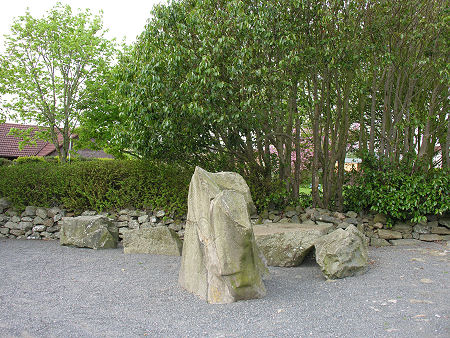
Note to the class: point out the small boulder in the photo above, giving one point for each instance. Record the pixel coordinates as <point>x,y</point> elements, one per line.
<point>342,253</point>
<point>156,241</point>
<point>96,232</point>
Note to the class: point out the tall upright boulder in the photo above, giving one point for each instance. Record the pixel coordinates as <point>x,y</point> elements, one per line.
<point>95,232</point>
<point>342,253</point>
<point>220,261</point>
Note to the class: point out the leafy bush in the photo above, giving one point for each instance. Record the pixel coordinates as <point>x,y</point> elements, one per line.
<point>4,162</point>
<point>98,185</point>
<point>29,159</point>
<point>398,192</point>
<point>116,184</point>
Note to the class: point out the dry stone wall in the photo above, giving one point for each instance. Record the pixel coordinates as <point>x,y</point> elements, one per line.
<point>45,223</point>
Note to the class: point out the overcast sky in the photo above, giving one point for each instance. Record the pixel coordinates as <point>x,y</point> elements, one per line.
<point>122,18</point>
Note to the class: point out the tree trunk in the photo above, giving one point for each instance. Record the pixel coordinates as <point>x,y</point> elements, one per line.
<point>426,137</point>
<point>386,111</point>
<point>316,139</point>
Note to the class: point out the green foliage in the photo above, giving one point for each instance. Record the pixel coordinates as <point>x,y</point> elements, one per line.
<point>98,185</point>
<point>4,162</point>
<point>32,183</point>
<point>399,192</point>
<point>29,159</point>
<point>46,69</point>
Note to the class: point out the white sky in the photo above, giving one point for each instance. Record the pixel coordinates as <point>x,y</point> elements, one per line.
<point>122,18</point>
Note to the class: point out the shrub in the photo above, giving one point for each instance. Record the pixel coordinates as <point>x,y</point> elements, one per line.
<point>117,184</point>
<point>29,159</point>
<point>98,185</point>
<point>4,162</point>
<point>398,192</point>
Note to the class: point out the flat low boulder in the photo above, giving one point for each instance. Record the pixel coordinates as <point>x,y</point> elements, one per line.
<point>157,241</point>
<point>95,232</point>
<point>287,244</point>
<point>342,253</point>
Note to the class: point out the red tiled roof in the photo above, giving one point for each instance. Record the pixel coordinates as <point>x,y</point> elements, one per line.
<point>9,145</point>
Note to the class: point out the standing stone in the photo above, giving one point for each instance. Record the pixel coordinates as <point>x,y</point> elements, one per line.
<point>342,253</point>
<point>96,232</point>
<point>220,261</point>
<point>156,241</point>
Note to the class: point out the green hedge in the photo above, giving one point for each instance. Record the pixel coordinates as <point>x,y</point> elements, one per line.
<point>399,192</point>
<point>98,185</point>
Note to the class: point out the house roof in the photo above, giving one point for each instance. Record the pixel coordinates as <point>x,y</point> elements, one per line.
<point>9,145</point>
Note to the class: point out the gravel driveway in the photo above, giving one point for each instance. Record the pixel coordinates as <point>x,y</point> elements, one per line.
<point>51,291</point>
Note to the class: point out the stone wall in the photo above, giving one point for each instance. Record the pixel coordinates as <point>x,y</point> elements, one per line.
<point>44,223</point>
<point>374,226</point>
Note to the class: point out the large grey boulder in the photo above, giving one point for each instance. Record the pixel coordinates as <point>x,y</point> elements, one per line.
<point>342,253</point>
<point>96,232</point>
<point>220,262</point>
<point>157,241</point>
<point>287,244</point>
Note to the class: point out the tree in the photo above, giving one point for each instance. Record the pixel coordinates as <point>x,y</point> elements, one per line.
<point>46,66</point>
<point>249,80</point>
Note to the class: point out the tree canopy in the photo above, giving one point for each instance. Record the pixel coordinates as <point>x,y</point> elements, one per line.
<point>249,81</point>
<point>46,67</point>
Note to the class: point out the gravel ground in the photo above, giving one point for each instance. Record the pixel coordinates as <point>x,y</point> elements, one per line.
<point>51,291</point>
